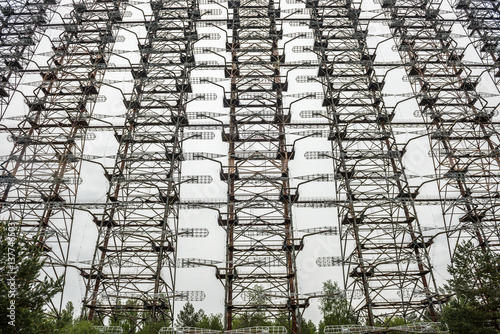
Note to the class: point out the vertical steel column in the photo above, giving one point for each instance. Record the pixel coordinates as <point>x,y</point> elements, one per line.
<point>260,272</point>
<point>134,263</point>
<point>463,139</point>
<point>481,20</point>
<point>383,247</point>
<point>43,170</point>
<point>22,23</point>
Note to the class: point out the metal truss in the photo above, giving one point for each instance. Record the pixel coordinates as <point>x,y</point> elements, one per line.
<point>385,245</point>
<point>383,250</point>
<point>260,244</point>
<point>464,142</point>
<point>481,20</point>
<point>134,262</point>
<point>44,164</point>
<point>23,24</point>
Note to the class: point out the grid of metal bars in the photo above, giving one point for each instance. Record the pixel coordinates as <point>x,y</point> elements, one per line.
<point>261,46</point>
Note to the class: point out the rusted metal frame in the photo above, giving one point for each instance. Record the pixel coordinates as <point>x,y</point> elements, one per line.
<point>168,240</point>
<point>421,253</point>
<point>472,15</point>
<point>446,143</point>
<point>237,142</point>
<point>232,170</point>
<point>97,75</point>
<point>293,302</point>
<point>471,210</point>
<point>406,208</point>
<point>349,205</point>
<point>50,90</point>
<point>37,105</point>
<point>453,71</point>
<point>23,19</point>
<point>411,219</point>
<point>462,185</point>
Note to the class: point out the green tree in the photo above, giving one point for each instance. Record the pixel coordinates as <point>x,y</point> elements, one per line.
<point>188,317</point>
<point>79,327</point>
<point>151,327</point>
<point>335,308</point>
<point>212,321</point>
<point>307,326</point>
<point>475,281</point>
<point>257,298</point>
<point>23,293</point>
<point>66,324</point>
<point>252,319</point>
<point>132,320</point>
<point>464,317</point>
<point>65,320</point>
<point>127,316</point>
<point>257,316</point>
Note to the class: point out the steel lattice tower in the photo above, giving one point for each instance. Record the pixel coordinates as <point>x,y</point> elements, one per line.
<point>258,221</point>
<point>257,115</point>
<point>137,241</point>
<point>463,139</point>
<point>42,172</point>
<point>23,23</point>
<point>382,244</point>
<point>480,19</point>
